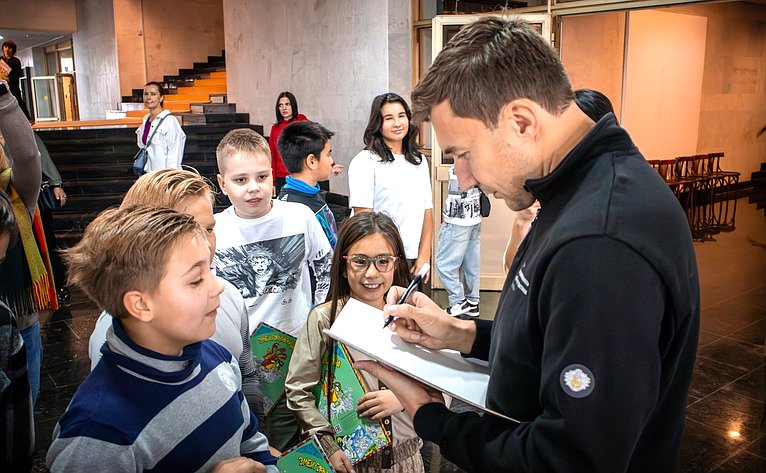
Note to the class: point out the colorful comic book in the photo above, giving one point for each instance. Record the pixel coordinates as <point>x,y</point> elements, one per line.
<point>306,456</point>
<point>358,437</point>
<point>272,350</point>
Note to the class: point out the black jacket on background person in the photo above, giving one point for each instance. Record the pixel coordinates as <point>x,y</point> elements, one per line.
<point>594,341</point>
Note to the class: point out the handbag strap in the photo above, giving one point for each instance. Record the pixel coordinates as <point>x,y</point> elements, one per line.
<point>149,141</point>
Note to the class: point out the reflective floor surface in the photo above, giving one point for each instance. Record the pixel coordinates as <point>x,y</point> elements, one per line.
<point>726,419</point>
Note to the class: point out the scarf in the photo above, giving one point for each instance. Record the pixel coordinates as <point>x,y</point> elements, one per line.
<point>41,295</point>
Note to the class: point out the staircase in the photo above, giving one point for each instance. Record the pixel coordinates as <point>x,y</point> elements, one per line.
<point>96,169</point>
<point>196,96</point>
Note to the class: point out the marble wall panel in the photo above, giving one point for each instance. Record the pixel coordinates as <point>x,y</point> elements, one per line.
<point>98,82</point>
<point>335,56</point>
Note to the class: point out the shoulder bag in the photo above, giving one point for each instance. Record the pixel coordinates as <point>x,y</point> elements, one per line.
<point>139,160</point>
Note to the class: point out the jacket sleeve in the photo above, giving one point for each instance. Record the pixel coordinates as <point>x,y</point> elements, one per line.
<point>303,375</point>
<point>21,141</point>
<point>175,142</point>
<point>50,171</point>
<point>255,445</point>
<point>596,317</point>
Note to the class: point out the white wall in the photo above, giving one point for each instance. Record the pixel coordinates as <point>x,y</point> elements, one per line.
<point>663,82</point>
<point>334,56</point>
<point>98,81</point>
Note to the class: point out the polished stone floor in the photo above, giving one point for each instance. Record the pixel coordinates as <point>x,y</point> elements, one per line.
<point>726,419</point>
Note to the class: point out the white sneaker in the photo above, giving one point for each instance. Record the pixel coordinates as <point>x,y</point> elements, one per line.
<point>463,308</point>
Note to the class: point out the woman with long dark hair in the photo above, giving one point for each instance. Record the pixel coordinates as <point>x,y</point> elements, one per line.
<point>368,260</point>
<point>391,176</point>
<point>286,111</point>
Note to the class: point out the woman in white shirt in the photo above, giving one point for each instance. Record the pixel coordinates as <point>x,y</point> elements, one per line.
<point>391,176</point>
<point>160,131</point>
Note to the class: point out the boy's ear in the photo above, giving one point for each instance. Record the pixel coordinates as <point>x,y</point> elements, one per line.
<point>136,304</point>
<point>311,161</point>
<point>221,183</point>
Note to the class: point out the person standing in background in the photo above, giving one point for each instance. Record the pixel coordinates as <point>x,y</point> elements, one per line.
<point>286,110</point>
<point>391,176</point>
<point>160,133</point>
<point>458,256</point>
<point>13,75</point>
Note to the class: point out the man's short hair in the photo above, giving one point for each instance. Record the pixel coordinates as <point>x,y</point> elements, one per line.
<point>168,188</point>
<point>300,139</point>
<point>486,65</point>
<point>241,140</point>
<point>126,249</point>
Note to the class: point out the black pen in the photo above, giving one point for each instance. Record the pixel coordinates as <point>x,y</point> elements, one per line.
<point>413,285</point>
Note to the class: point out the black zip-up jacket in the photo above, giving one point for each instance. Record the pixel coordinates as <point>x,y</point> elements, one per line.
<point>593,344</point>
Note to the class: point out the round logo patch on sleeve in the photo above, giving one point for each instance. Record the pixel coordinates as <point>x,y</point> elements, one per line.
<point>577,381</point>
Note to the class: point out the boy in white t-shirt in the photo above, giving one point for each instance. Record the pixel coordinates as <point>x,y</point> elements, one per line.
<point>267,249</point>
<point>459,252</point>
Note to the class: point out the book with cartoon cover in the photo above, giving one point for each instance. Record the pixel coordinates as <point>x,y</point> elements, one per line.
<point>306,456</point>
<point>272,350</point>
<point>358,437</point>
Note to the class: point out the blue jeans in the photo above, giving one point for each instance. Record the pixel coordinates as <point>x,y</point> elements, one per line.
<point>34,348</point>
<point>458,259</point>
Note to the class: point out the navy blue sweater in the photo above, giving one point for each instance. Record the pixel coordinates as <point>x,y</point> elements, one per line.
<point>139,410</point>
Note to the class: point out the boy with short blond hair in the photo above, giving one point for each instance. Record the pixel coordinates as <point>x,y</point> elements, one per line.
<point>269,250</point>
<point>163,397</point>
<point>190,193</point>
<point>306,151</point>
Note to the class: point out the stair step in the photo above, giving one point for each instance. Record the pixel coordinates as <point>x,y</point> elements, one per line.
<point>213,108</point>
<point>218,75</point>
<point>206,65</point>
<point>187,97</point>
<point>198,89</point>
<point>201,70</point>
<point>206,118</point>
<point>204,82</point>
<point>219,98</point>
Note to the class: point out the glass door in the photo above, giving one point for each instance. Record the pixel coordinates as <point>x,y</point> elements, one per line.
<point>495,229</point>
<point>46,100</point>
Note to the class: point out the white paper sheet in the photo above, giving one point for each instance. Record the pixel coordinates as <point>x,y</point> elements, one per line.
<point>360,326</point>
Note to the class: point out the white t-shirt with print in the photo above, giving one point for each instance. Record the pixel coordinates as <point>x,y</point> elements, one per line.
<point>400,189</point>
<point>461,207</point>
<point>268,260</point>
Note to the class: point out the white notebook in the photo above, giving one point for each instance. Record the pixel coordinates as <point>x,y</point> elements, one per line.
<point>360,326</point>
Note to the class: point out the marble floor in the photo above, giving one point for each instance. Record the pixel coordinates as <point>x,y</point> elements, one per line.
<point>726,418</point>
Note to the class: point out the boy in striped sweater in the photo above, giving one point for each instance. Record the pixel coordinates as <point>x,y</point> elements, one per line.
<point>163,397</point>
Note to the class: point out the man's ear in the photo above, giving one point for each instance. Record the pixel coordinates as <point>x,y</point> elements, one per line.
<point>136,304</point>
<point>221,183</point>
<point>311,161</point>
<point>520,116</point>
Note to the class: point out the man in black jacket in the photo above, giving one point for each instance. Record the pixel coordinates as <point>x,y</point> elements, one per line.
<point>593,344</point>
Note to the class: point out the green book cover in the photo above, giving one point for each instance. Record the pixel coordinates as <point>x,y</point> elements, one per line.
<point>272,350</point>
<point>358,437</point>
<point>306,456</point>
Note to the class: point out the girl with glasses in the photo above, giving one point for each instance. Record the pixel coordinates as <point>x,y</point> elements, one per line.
<point>368,260</point>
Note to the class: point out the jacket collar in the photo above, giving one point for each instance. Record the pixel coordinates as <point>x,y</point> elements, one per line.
<point>605,137</point>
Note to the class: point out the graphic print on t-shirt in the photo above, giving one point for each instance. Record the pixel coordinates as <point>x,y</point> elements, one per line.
<point>269,266</point>
<point>461,204</point>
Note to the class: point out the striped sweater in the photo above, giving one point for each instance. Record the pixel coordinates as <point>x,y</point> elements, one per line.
<point>143,411</point>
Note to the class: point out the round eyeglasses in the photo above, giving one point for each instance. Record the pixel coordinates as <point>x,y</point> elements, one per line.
<point>359,263</point>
